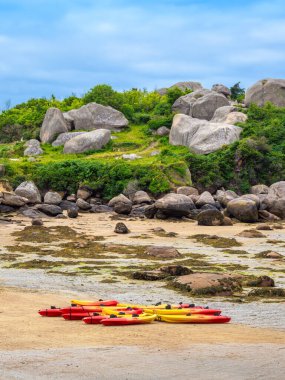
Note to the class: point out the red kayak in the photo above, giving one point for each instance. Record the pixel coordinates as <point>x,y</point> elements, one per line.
<point>76,316</point>
<point>52,312</point>
<point>94,319</point>
<point>81,309</point>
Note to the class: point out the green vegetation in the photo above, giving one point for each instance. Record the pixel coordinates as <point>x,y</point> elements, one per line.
<point>259,157</point>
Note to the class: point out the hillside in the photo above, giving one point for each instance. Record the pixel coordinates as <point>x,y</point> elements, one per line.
<point>258,157</point>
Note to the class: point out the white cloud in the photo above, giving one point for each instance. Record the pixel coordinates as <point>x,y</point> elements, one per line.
<point>147,44</point>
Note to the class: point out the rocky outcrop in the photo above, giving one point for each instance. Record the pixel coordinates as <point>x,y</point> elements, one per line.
<point>96,116</point>
<point>162,252</point>
<point>205,107</point>
<point>183,86</point>
<point>176,205</point>
<point>64,137</point>
<point>201,136</point>
<point>87,141</point>
<point>266,90</point>
<point>53,125</point>
<point>185,103</point>
<point>30,191</point>
<point>245,210</point>
<point>222,89</point>
<point>209,283</point>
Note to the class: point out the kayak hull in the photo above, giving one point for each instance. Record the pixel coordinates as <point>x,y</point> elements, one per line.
<point>184,311</point>
<point>193,318</point>
<point>128,321</point>
<point>94,303</point>
<point>50,312</point>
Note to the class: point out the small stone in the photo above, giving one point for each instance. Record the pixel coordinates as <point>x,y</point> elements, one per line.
<point>121,228</point>
<point>163,252</point>
<point>264,227</point>
<point>37,222</point>
<point>72,213</point>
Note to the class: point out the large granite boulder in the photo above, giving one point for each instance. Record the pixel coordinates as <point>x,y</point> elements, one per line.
<point>224,197</point>
<point>64,137</point>
<point>205,199</point>
<point>202,136</point>
<point>205,107</point>
<point>222,89</point>
<point>185,103</point>
<point>96,116</point>
<point>245,210</point>
<point>53,125</point>
<point>187,190</point>
<point>176,205</point>
<point>93,140</point>
<point>52,198</point>
<point>30,191</point>
<point>163,131</point>
<point>275,199</point>
<point>183,86</point>
<point>228,115</point>
<point>121,204</point>
<point>50,210</point>
<point>141,197</point>
<point>266,90</point>
<point>10,199</point>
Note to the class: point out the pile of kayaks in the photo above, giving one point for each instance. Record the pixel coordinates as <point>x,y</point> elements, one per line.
<point>113,313</point>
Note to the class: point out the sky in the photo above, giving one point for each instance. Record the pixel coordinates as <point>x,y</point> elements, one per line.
<point>62,47</point>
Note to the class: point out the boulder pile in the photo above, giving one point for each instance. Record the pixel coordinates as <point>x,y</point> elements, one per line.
<point>262,204</point>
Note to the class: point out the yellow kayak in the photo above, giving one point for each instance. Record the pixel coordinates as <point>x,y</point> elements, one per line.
<point>183,311</point>
<point>193,318</point>
<point>94,303</point>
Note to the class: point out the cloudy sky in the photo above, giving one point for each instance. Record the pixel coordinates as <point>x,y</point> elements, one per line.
<point>67,46</point>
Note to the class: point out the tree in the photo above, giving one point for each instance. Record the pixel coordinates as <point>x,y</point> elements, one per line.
<point>237,92</point>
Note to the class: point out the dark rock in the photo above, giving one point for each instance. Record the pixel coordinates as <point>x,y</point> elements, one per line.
<point>100,209</point>
<point>227,221</point>
<point>84,192</point>
<point>154,275</point>
<point>264,227</point>
<point>31,213</point>
<point>37,222</point>
<point>262,282</point>
<point>208,207</point>
<point>72,213</point>
<point>67,205</point>
<point>121,204</point>
<point>266,215</point>
<point>121,228</point>
<point>6,209</point>
<point>210,218</point>
<point>176,270</point>
<point>141,197</point>
<point>83,205</point>
<point>51,210</point>
<point>150,211</point>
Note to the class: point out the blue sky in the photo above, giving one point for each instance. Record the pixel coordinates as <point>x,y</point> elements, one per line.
<point>67,46</point>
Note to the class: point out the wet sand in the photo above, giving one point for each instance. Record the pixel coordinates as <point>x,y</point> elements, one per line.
<point>34,347</point>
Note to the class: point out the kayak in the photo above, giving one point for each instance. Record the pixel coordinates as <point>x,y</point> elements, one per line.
<point>121,311</point>
<point>52,312</point>
<point>76,316</point>
<point>163,306</point>
<point>193,318</point>
<point>183,311</point>
<point>94,303</point>
<point>94,319</point>
<point>81,309</point>
<point>118,321</point>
